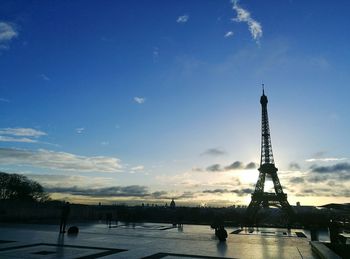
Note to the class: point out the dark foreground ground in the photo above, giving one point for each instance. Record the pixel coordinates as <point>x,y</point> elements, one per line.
<point>149,240</point>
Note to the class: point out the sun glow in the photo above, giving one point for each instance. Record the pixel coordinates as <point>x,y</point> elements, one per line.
<point>269,187</point>
<point>249,176</point>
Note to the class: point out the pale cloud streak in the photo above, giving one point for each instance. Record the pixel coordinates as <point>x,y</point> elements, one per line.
<point>139,100</point>
<point>294,166</point>
<point>18,140</point>
<point>7,33</point>
<point>20,135</point>
<point>214,152</point>
<point>243,15</point>
<point>326,159</point>
<point>59,160</point>
<point>23,132</point>
<point>137,169</point>
<point>182,19</point>
<point>4,100</point>
<point>44,77</point>
<point>79,130</point>
<point>56,180</point>
<point>228,34</point>
<point>155,54</point>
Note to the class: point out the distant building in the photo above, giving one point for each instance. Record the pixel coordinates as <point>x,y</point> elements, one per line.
<point>172,204</point>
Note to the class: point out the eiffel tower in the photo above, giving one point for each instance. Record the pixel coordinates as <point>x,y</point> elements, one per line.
<point>267,170</point>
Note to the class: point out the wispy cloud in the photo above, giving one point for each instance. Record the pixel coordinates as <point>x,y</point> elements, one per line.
<point>44,77</point>
<point>294,166</point>
<point>217,191</point>
<point>59,160</point>
<point>80,130</point>
<point>139,100</point>
<point>214,152</point>
<point>239,192</point>
<point>326,159</point>
<point>4,100</point>
<point>317,178</point>
<point>324,192</point>
<point>138,168</point>
<point>243,15</point>
<point>182,19</point>
<point>23,132</point>
<point>62,180</point>
<point>228,34</point>
<point>19,140</point>
<point>214,168</point>
<point>155,54</point>
<point>296,180</point>
<point>243,191</point>
<point>22,135</point>
<point>7,33</point>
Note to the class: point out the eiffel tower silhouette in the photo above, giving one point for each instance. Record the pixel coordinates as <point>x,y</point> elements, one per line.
<point>267,170</point>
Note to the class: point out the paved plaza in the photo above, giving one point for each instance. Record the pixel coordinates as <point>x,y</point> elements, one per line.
<point>149,240</point>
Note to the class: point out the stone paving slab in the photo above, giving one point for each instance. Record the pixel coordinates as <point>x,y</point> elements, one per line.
<point>144,241</point>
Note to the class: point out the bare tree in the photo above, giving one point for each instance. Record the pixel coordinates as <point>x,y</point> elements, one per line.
<point>19,187</point>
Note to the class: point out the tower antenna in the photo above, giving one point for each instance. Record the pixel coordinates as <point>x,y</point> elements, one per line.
<point>263,88</point>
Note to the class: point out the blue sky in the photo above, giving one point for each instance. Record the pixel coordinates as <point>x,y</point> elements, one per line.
<point>143,101</point>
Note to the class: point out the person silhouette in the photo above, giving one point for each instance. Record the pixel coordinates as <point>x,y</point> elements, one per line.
<point>64,217</point>
<point>221,233</point>
<point>109,217</point>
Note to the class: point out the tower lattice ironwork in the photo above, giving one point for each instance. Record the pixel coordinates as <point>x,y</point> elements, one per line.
<point>267,169</point>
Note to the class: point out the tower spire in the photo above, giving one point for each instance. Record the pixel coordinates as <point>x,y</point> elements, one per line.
<point>263,88</point>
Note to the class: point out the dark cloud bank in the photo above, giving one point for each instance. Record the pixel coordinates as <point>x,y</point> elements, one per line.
<point>214,152</point>
<point>132,191</point>
<point>239,192</point>
<point>234,166</point>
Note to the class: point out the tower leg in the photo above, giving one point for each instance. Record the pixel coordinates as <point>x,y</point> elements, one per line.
<point>252,211</point>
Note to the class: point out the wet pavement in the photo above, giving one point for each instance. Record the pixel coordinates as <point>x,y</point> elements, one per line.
<point>149,240</point>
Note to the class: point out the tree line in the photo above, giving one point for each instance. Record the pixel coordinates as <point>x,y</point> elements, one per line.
<point>19,187</point>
